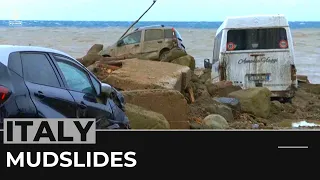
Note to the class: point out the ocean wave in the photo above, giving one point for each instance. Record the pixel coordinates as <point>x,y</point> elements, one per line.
<point>97,24</point>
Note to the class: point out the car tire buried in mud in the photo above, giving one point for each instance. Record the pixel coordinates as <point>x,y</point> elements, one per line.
<point>164,55</point>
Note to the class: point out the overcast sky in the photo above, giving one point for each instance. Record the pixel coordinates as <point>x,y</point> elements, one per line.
<point>163,10</point>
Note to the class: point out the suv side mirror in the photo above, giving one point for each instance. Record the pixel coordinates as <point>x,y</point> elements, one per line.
<point>106,89</point>
<point>120,43</point>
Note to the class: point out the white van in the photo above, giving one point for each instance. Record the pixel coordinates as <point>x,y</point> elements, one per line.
<point>256,51</point>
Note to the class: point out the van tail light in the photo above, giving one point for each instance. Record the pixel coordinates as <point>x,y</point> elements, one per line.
<point>293,72</point>
<point>4,94</point>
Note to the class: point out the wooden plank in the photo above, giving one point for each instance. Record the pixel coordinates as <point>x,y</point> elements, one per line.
<point>190,90</point>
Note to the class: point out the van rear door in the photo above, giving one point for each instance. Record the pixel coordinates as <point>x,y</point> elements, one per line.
<point>259,58</point>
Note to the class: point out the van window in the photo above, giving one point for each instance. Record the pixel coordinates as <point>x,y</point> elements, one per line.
<point>216,47</point>
<point>153,34</point>
<point>248,39</point>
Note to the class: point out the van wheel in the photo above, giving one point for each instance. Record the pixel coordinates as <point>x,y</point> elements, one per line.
<point>163,55</point>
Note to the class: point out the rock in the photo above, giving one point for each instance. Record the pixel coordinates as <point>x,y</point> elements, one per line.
<point>95,49</point>
<point>205,76</point>
<point>221,88</point>
<point>215,121</point>
<point>287,107</point>
<point>179,125</point>
<point>222,110</point>
<point>170,103</point>
<point>144,74</point>
<point>89,59</point>
<point>194,125</point>
<point>303,79</point>
<point>186,61</point>
<point>276,107</point>
<point>174,54</point>
<point>198,72</point>
<point>233,103</point>
<point>254,100</point>
<point>141,118</point>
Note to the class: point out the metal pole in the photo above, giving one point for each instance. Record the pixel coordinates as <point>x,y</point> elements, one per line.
<point>154,1</point>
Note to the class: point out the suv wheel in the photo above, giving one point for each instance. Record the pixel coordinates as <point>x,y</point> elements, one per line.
<point>164,55</point>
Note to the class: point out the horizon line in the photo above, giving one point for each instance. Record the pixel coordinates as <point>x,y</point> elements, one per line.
<point>127,20</point>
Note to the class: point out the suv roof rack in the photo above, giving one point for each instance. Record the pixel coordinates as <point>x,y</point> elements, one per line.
<point>144,27</point>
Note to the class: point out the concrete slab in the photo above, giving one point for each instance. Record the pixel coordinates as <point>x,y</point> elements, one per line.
<point>145,74</point>
<point>170,103</point>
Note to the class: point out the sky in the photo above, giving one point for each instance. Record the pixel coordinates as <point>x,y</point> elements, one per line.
<point>163,10</point>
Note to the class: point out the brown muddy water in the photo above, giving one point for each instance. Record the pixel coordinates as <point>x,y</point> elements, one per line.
<point>199,43</point>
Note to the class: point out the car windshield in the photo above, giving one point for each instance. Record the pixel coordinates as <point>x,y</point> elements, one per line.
<point>248,39</point>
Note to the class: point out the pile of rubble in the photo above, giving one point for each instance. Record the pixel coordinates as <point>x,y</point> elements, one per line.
<point>175,95</point>
<point>154,91</point>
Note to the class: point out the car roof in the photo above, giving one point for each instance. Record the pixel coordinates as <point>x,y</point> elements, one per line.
<point>6,50</point>
<point>154,27</point>
<point>254,21</point>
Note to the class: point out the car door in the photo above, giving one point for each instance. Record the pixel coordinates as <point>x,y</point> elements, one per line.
<point>79,83</point>
<point>51,99</point>
<point>153,40</point>
<point>130,44</point>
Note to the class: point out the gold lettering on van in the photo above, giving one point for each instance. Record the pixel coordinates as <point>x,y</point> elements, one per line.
<point>262,60</point>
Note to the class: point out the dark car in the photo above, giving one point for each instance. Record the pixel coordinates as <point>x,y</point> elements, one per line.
<point>38,82</point>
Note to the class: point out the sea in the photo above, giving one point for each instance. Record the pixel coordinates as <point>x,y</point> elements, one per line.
<point>76,37</point>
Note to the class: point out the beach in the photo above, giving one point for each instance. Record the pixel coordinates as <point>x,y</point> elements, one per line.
<point>198,42</point>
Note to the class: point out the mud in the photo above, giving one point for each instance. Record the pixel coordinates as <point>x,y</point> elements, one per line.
<point>305,106</point>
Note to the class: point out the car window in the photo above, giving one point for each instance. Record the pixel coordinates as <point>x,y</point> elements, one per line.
<point>37,69</point>
<point>168,33</point>
<point>133,38</point>
<point>248,39</point>
<point>77,79</point>
<point>153,34</point>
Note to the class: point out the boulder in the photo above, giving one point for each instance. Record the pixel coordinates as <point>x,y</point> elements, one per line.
<point>143,74</point>
<point>215,121</point>
<point>303,79</point>
<point>186,61</point>
<point>254,100</point>
<point>276,107</point>
<point>95,49</point>
<point>169,103</point>
<point>174,54</point>
<point>233,103</point>
<point>222,110</point>
<point>141,118</point>
<point>221,88</point>
<point>89,59</point>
